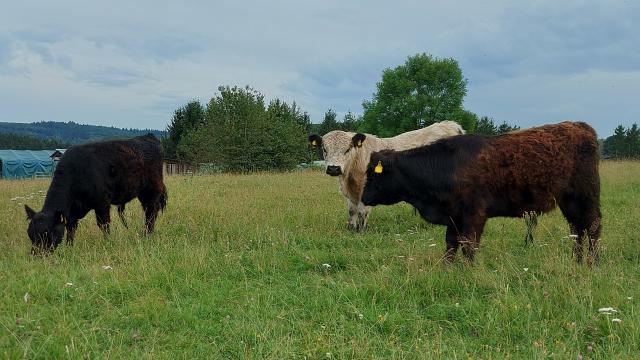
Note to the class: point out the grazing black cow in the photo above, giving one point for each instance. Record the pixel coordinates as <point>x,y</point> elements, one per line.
<point>462,181</point>
<point>93,177</point>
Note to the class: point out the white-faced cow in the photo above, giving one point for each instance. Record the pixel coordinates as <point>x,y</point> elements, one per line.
<point>347,156</point>
<point>460,182</point>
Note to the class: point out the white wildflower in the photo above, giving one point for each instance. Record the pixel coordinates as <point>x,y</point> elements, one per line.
<point>609,310</point>
<point>526,269</point>
<point>326,266</point>
<point>360,316</point>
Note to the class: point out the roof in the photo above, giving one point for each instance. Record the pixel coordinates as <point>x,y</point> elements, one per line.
<point>25,163</point>
<point>58,152</point>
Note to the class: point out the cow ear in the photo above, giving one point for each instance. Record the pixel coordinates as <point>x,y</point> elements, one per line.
<point>30,212</point>
<point>315,140</point>
<point>59,218</point>
<point>358,139</point>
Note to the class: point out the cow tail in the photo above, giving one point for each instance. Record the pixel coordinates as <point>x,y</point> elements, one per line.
<point>163,198</point>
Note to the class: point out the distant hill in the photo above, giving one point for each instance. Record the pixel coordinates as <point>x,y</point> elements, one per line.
<point>71,132</point>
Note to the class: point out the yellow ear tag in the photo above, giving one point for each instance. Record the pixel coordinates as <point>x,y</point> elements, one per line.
<point>378,168</point>
<point>359,143</point>
<point>313,143</point>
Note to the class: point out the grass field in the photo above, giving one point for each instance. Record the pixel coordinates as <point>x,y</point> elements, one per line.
<point>236,270</point>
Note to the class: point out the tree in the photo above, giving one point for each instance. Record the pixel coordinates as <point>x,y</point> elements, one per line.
<point>184,119</point>
<point>421,92</point>
<point>467,119</point>
<point>614,146</point>
<point>505,128</point>
<point>350,122</point>
<point>329,123</point>
<point>486,126</point>
<point>240,134</point>
<point>632,142</point>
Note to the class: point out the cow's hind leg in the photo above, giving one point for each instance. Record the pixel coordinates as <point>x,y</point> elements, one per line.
<point>584,220</point>
<point>593,231</point>
<point>150,201</point>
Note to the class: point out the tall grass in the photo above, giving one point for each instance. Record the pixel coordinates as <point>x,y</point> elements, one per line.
<point>262,266</point>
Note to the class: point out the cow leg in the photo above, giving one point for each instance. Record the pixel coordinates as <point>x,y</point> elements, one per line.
<point>594,238</point>
<point>452,244</point>
<point>72,226</point>
<point>72,223</point>
<point>151,204</point>
<point>470,235</point>
<point>583,217</point>
<point>531,221</point>
<point>103,218</point>
<point>121,208</point>
<point>352,223</point>
<point>363,216</point>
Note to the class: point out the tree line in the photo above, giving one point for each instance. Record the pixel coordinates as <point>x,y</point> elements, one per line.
<point>238,131</point>
<point>71,132</point>
<point>623,144</point>
<point>25,142</point>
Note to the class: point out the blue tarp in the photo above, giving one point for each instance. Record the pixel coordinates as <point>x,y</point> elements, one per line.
<point>18,164</point>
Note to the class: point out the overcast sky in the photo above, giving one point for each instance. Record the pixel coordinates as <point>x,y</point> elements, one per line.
<point>132,63</point>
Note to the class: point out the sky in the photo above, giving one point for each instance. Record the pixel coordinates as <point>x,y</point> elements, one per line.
<point>132,63</point>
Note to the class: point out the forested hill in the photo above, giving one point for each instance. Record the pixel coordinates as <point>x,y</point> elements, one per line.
<point>70,132</point>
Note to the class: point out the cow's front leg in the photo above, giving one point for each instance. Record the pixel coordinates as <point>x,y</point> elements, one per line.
<point>352,223</point>
<point>363,216</point>
<point>452,244</point>
<point>103,218</point>
<point>469,237</point>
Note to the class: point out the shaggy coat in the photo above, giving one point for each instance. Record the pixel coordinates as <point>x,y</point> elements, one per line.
<point>93,177</point>
<point>347,159</point>
<point>462,181</point>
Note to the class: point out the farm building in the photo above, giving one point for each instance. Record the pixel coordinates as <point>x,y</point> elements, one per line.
<point>20,164</point>
<point>175,167</point>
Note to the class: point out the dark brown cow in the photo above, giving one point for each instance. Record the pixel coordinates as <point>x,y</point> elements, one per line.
<point>93,177</point>
<point>462,181</point>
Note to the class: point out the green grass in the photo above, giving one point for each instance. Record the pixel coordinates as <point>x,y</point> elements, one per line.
<point>235,270</point>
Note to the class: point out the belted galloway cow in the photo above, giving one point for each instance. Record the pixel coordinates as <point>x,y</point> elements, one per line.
<point>347,156</point>
<point>462,181</point>
<point>93,177</point>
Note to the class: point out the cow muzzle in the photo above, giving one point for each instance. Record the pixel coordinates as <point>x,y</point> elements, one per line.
<point>334,170</point>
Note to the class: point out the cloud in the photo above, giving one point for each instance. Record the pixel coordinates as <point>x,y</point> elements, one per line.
<point>132,63</point>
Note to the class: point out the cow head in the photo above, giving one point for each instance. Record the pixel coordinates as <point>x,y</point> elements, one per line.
<point>381,185</point>
<point>45,230</point>
<point>338,149</point>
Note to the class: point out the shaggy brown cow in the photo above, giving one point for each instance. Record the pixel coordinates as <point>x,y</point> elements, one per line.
<point>462,181</point>
<point>347,159</point>
<point>93,177</point>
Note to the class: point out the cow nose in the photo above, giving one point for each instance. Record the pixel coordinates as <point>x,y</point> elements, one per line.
<point>333,170</point>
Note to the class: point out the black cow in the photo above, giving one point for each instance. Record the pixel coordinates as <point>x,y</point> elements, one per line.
<point>93,177</point>
<point>462,181</point>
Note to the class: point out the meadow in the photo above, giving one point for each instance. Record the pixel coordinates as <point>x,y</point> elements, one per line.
<point>262,266</point>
